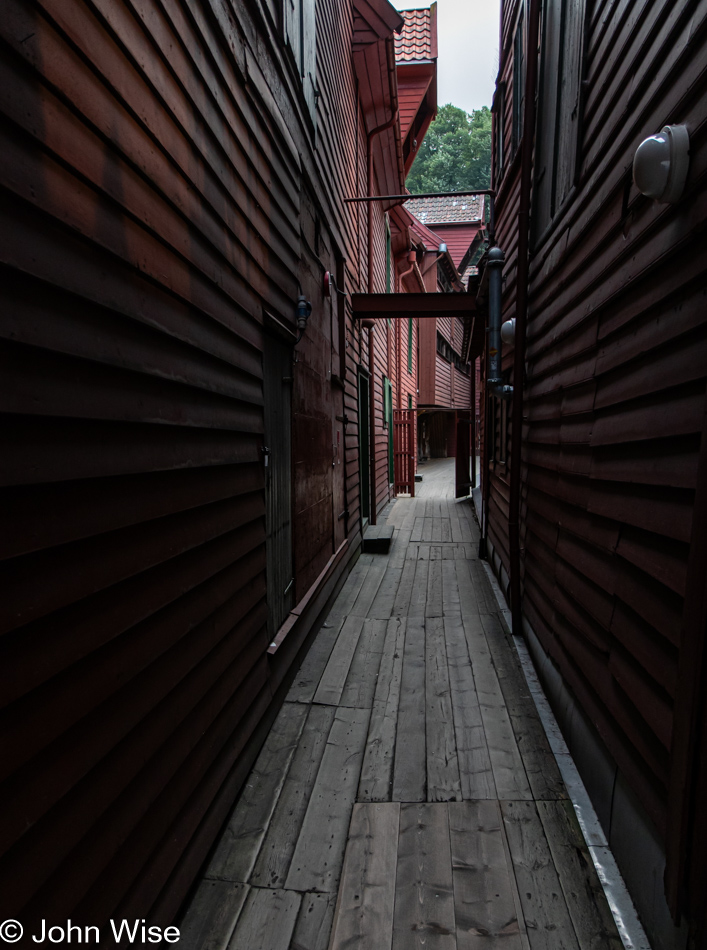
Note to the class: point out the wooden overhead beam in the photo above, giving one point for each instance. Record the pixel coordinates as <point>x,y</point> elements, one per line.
<point>424,306</point>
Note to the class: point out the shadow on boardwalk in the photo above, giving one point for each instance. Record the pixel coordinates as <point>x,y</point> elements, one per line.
<point>406,795</point>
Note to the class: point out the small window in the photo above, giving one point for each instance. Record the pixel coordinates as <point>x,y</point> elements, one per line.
<point>299,23</point>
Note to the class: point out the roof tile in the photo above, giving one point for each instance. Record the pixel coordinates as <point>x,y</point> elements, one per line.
<point>418,39</point>
<point>433,211</point>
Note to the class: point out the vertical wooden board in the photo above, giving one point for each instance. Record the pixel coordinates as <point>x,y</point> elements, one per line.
<point>314,921</point>
<point>364,912</point>
<point>584,895</point>
<point>319,853</point>
<point>277,849</point>
<point>428,530</point>
<point>544,907</point>
<point>360,685</point>
<point>417,529</point>
<point>377,770</point>
<point>475,770</point>
<point>433,607</point>
<point>424,894</point>
<point>212,915</point>
<point>337,669</point>
<point>484,904</point>
<point>445,530</point>
<point>418,594</point>
<point>240,842</point>
<point>409,770</point>
<point>267,920</point>
<point>443,782</point>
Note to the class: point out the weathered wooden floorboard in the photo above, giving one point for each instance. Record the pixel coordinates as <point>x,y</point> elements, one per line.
<point>310,672</point>
<point>364,912</point>
<point>450,588</point>
<point>417,528</point>
<point>433,605</point>
<point>382,606</point>
<point>337,669</point>
<point>443,782</point>
<point>360,683</point>
<point>369,588</point>
<point>409,770</point>
<point>314,921</point>
<point>485,599</point>
<point>485,910</point>
<point>506,761</point>
<point>277,849</point>
<point>212,915</point>
<point>349,592</point>
<point>540,763</point>
<point>319,853</point>
<point>401,604</point>
<point>267,920</point>
<point>377,771</point>
<point>424,892</point>
<point>475,770</point>
<point>593,922</point>
<point>542,899</point>
<point>418,595</point>
<point>241,840</point>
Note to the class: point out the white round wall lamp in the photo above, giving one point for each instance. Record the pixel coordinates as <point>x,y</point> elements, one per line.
<point>661,162</point>
<point>508,330</point>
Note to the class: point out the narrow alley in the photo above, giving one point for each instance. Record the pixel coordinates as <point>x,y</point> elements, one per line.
<point>407,774</point>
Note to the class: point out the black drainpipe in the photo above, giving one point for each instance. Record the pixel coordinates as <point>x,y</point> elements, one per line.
<point>529,114</point>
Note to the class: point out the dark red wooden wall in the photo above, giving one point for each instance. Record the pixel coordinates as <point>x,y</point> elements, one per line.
<point>615,390</point>
<point>162,188</point>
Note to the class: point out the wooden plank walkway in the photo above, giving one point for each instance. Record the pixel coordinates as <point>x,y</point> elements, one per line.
<point>406,795</point>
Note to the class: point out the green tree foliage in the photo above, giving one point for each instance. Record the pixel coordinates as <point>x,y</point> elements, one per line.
<point>455,154</point>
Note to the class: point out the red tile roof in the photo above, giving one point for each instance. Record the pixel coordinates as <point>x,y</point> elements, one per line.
<point>418,39</point>
<point>433,211</point>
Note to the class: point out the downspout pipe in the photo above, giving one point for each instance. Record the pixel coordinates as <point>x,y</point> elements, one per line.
<point>371,326</point>
<point>529,116</point>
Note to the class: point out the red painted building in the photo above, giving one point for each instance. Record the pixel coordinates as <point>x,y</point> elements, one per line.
<point>189,455</point>
<point>595,475</point>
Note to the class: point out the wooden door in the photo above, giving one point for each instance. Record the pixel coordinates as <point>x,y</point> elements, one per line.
<point>404,450</point>
<point>462,467</point>
<point>277,386</point>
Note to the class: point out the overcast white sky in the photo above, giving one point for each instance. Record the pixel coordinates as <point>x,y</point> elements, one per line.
<point>468,33</point>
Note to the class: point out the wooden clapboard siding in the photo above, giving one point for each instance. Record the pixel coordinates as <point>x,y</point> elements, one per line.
<point>615,393</point>
<point>163,189</point>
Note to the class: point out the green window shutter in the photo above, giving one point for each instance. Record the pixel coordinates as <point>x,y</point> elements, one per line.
<point>409,344</point>
<point>409,400</point>
<point>388,412</point>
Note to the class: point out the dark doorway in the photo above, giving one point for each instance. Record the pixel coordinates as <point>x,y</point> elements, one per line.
<point>364,456</point>
<point>277,387</point>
